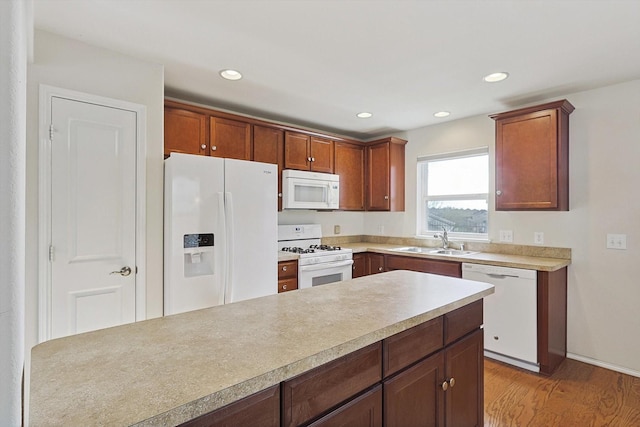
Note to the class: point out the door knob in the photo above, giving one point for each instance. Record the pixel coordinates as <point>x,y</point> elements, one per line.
<point>124,271</point>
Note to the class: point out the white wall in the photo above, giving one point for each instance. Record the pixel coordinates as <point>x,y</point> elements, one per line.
<point>604,198</point>
<point>350,223</point>
<point>70,64</point>
<point>14,25</point>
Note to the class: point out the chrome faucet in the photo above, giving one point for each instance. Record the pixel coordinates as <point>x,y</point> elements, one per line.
<point>444,237</point>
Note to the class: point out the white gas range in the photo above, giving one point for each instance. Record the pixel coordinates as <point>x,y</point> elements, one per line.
<point>318,264</point>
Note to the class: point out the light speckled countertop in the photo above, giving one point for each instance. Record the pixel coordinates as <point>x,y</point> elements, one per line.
<point>499,259</point>
<point>168,370</point>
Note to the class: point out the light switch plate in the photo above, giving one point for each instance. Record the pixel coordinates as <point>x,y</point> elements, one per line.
<point>617,241</point>
<point>538,237</point>
<point>506,236</point>
<point>336,229</point>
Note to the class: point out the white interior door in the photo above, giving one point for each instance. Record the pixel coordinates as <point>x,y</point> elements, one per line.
<point>93,217</point>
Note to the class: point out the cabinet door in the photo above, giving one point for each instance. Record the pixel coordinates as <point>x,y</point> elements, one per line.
<point>464,400</point>
<point>414,397</point>
<point>378,191</point>
<point>321,151</point>
<point>349,164</point>
<point>268,147</point>
<point>316,391</point>
<point>184,132</point>
<point>532,158</point>
<point>423,265</point>
<point>230,139</point>
<point>260,409</point>
<point>296,151</point>
<point>286,285</point>
<point>363,411</point>
<point>359,265</point>
<point>375,263</point>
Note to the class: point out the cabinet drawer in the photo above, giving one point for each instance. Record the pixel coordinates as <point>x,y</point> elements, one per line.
<point>315,392</point>
<point>287,269</point>
<point>259,409</point>
<point>285,285</point>
<point>409,346</point>
<point>462,321</point>
<point>363,411</point>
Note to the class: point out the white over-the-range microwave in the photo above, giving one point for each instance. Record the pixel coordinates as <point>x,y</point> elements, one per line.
<point>310,190</point>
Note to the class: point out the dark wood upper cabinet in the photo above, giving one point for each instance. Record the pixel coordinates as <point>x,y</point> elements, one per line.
<point>349,164</point>
<point>532,158</point>
<point>385,175</point>
<point>268,147</point>
<point>230,138</point>
<point>306,152</point>
<point>184,132</point>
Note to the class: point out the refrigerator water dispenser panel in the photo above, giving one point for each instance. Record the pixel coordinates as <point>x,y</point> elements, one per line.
<point>198,254</point>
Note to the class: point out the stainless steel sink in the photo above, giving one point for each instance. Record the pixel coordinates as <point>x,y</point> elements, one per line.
<point>431,251</point>
<point>453,252</point>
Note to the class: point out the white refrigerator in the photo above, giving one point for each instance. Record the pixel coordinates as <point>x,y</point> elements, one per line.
<point>220,231</point>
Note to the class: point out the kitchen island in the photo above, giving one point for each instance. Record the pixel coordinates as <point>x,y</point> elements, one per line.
<point>173,369</point>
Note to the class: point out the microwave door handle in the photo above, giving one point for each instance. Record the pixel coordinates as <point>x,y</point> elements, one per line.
<point>315,267</point>
<point>329,195</point>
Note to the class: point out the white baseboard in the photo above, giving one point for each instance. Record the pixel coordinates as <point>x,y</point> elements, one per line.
<point>512,361</point>
<point>601,364</point>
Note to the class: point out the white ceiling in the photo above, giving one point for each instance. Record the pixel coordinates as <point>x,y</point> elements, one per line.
<point>318,63</point>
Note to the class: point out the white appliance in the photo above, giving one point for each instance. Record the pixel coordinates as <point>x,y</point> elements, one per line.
<point>310,190</point>
<point>318,264</point>
<point>220,231</point>
<point>510,314</point>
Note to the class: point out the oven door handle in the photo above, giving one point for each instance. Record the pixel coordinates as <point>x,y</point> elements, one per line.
<point>326,265</point>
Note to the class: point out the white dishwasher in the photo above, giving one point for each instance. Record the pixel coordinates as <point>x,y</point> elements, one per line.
<point>510,314</point>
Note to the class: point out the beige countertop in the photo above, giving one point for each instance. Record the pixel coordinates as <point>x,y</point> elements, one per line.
<point>498,259</point>
<point>168,370</point>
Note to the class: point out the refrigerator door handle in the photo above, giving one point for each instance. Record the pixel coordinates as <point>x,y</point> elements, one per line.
<point>228,207</point>
<point>222,247</point>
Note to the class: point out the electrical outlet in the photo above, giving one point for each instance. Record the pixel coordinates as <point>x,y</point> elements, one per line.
<point>506,236</point>
<point>336,229</point>
<point>381,229</point>
<point>538,238</point>
<point>617,241</point>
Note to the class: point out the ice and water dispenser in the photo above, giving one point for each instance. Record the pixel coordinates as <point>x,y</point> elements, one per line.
<point>198,254</point>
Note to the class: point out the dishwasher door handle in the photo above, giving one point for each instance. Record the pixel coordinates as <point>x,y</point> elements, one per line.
<point>500,276</point>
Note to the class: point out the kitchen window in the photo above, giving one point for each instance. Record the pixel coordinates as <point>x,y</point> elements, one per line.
<point>453,193</point>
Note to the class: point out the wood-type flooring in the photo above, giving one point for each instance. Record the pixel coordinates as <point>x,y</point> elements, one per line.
<point>577,394</point>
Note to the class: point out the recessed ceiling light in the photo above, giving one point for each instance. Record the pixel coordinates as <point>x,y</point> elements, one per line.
<point>230,74</point>
<point>496,77</point>
<point>364,115</point>
<point>441,114</point>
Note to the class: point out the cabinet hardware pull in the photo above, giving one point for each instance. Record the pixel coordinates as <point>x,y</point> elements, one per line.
<point>308,159</point>
<point>379,268</point>
<point>445,386</point>
<point>386,197</point>
<point>214,148</point>
<point>203,146</point>
<point>499,193</point>
<point>284,287</point>
<point>313,159</point>
<point>452,382</point>
<point>284,268</point>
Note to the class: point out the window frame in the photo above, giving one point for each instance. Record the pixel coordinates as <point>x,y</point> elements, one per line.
<point>423,198</point>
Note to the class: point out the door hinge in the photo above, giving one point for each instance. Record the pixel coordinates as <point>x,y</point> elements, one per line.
<point>51,132</point>
<point>51,252</point>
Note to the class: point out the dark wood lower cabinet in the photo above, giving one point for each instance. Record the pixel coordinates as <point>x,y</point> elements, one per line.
<point>464,397</point>
<point>363,411</point>
<point>260,409</point>
<point>359,265</point>
<point>423,265</point>
<point>414,397</point>
<point>414,378</point>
